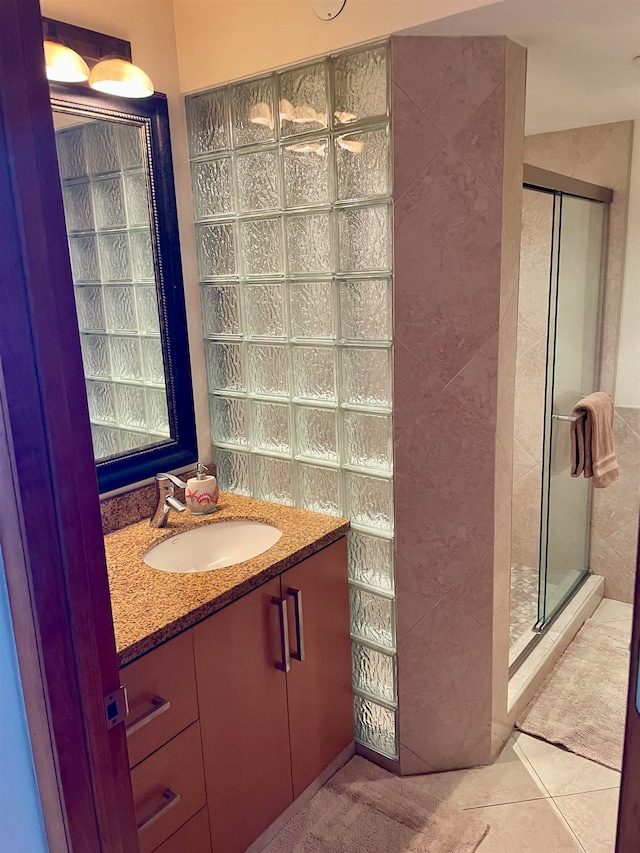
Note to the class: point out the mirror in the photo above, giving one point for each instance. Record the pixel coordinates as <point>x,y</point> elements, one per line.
<point>116,174</point>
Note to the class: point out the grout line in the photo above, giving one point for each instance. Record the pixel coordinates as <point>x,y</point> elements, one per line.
<point>584,793</point>
<point>506,803</point>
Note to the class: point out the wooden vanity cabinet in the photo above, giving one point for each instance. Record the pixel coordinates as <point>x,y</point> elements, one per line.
<point>267,733</point>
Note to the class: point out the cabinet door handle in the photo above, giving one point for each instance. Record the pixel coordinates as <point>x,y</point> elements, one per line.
<point>169,800</point>
<point>285,664</point>
<point>296,594</point>
<point>158,706</point>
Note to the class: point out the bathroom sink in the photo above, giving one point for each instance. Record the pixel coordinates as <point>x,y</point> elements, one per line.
<point>213,546</point>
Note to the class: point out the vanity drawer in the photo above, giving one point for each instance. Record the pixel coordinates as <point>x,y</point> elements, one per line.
<point>168,788</point>
<point>193,837</point>
<point>161,689</point>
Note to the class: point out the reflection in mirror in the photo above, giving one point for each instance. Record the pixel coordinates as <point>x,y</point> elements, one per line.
<point>107,212</point>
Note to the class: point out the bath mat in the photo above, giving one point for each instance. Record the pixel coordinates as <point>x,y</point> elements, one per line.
<point>364,809</point>
<point>582,704</point>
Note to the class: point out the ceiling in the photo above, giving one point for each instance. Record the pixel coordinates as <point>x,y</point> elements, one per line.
<point>580,56</point>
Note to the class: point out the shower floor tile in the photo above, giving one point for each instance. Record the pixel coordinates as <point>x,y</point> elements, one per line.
<point>524,601</point>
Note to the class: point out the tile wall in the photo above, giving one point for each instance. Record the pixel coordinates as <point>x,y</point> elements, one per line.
<point>291,178</point>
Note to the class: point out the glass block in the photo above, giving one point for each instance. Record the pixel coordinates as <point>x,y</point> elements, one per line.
<point>220,310</point>
<point>308,243</point>
<point>258,181</point>
<point>119,305</point>
<point>364,238</point>
<point>105,441</point>
<point>216,250</point>
<point>370,559</point>
<point>152,360</point>
<point>225,370</point>
<point>147,303</point>
<point>71,156</point>
<point>314,373</point>
<point>126,361</point>
<point>142,255</point>
<point>130,403</point>
<point>312,310</point>
<point>137,198</point>
<point>372,617</point>
<point>316,433</point>
<point>318,488</point>
<point>375,726</point>
<point>303,99</point>
<point>360,83</point>
<point>306,173</point>
<point>78,213</point>
<point>366,440</point>
<point>212,187</point>
<point>265,310</point>
<point>272,478</point>
<point>114,256</point>
<point>270,423</point>
<point>369,501</point>
<point>132,440</point>
<point>101,400</point>
<point>229,420</point>
<point>362,163</point>
<point>101,146</point>
<point>365,310</point>
<point>366,377</point>
<point>83,252</point>
<point>95,355</point>
<point>373,672</point>
<point>90,309</point>
<point>268,374</point>
<point>131,139</point>
<point>233,471</point>
<point>207,125</point>
<point>260,247</point>
<point>157,412</point>
<point>108,203</point>
<point>252,112</point>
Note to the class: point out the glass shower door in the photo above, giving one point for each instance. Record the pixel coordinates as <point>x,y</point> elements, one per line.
<point>572,373</point>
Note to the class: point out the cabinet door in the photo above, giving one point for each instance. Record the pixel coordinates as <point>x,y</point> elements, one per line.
<point>243,718</point>
<point>320,695</point>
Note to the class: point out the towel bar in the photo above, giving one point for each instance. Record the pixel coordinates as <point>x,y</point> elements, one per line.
<point>570,418</point>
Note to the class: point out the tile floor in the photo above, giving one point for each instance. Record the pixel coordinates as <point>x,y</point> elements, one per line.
<point>538,798</point>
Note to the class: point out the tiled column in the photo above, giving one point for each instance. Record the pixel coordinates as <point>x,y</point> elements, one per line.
<point>458,127</point>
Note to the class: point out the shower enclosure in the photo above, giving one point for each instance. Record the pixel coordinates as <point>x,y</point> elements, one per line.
<point>564,226</point>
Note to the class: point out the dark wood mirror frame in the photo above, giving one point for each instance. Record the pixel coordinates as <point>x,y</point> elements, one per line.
<point>151,114</point>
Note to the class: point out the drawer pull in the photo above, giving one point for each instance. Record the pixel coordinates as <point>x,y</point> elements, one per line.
<point>284,665</point>
<point>296,594</point>
<point>158,706</point>
<point>169,800</point>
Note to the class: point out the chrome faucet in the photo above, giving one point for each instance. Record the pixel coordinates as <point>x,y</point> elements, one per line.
<point>166,484</point>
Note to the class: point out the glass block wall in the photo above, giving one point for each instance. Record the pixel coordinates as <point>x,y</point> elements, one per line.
<point>104,188</point>
<point>291,188</point>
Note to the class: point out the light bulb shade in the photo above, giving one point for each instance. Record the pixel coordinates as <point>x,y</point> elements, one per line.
<point>119,77</point>
<point>64,65</point>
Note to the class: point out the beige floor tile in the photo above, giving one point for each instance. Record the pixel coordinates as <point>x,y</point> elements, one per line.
<point>593,818</point>
<point>624,625</point>
<point>509,780</point>
<point>533,827</point>
<point>610,610</point>
<point>562,772</point>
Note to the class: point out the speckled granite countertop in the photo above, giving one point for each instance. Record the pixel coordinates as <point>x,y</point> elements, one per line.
<point>150,606</point>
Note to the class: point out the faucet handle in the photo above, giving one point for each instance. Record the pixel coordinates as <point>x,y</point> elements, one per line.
<point>172,477</point>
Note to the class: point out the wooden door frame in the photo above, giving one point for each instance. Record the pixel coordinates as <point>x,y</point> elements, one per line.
<point>50,527</point>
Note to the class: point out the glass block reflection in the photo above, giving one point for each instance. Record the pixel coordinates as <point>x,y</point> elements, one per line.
<point>261,247</point>
<point>137,199</point>
<point>373,672</point>
<point>233,471</point>
<point>362,163</point>
<point>119,304</point>
<point>108,203</point>
<point>114,256</point>
<point>369,501</point>
<point>271,428</point>
<point>366,377</point>
<point>312,310</point>
<point>207,122</point>
<point>265,310</point>
<point>71,157</point>
<point>268,374</point>
<point>370,559</point>
<point>308,243</point>
<point>220,310</point>
<point>360,81</point>
<point>318,488</point>
<point>229,420</point>
<point>365,310</point>
<point>375,726</point>
<point>258,181</point>
<point>101,399</point>
<point>272,478</point>
<point>212,188</point>
<point>141,255</point>
<point>147,305</point>
<point>306,173</point>
<point>303,99</point>
<point>157,412</point>
<point>78,210</point>
<point>152,360</point>
<point>316,433</point>
<point>364,239</point>
<point>130,405</point>
<point>252,111</point>
<point>367,440</point>
<point>90,309</point>
<point>95,355</point>
<point>101,147</point>
<point>83,251</point>
<point>314,373</point>
<point>372,617</point>
<point>126,358</point>
<point>105,441</point>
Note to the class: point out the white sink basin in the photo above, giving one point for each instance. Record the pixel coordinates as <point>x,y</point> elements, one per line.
<point>213,546</point>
